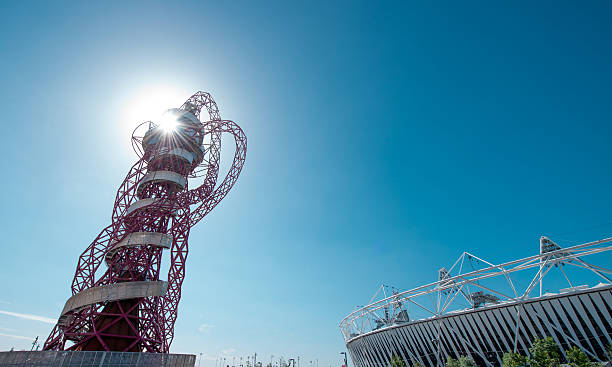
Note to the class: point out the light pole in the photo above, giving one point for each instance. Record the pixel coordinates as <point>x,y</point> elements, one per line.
<point>200,360</point>
<point>345,362</point>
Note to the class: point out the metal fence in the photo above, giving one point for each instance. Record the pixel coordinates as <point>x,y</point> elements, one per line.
<point>94,359</point>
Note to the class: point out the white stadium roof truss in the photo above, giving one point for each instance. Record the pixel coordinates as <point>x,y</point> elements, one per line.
<point>436,299</point>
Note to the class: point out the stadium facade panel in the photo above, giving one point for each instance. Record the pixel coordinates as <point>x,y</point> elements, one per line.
<point>477,309</point>
<point>581,318</point>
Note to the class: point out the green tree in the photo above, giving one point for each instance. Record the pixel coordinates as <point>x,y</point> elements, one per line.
<point>452,362</point>
<point>417,364</point>
<point>512,359</point>
<point>397,362</point>
<point>609,351</point>
<point>466,361</point>
<point>544,353</point>
<point>577,358</point>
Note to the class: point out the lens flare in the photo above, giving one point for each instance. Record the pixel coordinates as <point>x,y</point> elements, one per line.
<point>168,122</point>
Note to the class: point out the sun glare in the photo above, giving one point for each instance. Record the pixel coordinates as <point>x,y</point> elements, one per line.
<point>168,122</point>
<point>150,104</point>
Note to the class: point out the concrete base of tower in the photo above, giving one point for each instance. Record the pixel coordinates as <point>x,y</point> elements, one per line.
<point>97,359</point>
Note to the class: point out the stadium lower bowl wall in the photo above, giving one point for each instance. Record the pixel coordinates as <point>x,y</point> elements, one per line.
<point>582,318</point>
<point>91,359</point>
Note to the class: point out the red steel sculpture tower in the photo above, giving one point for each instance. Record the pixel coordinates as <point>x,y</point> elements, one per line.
<point>119,301</point>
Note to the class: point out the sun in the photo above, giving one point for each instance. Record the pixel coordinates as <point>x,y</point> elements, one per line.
<point>151,104</point>
<point>168,122</point>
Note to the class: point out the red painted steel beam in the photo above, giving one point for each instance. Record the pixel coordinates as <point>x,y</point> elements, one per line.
<point>147,324</point>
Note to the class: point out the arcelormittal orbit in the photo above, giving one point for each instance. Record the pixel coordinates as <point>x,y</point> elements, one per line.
<point>120,301</point>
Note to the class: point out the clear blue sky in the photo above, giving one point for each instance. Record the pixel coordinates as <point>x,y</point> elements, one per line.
<point>384,140</point>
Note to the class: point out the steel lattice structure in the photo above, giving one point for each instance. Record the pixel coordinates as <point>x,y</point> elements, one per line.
<point>485,311</point>
<point>119,302</point>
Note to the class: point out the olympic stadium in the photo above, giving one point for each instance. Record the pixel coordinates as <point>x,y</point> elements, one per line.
<point>479,309</point>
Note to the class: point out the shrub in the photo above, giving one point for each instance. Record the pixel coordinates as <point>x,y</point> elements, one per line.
<point>466,361</point>
<point>544,353</point>
<point>577,358</point>
<point>397,362</point>
<point>452,362</point>
<point>511,359</point>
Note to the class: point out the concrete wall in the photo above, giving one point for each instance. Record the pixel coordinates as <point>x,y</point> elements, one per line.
<point>97,359</point>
